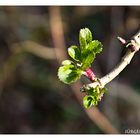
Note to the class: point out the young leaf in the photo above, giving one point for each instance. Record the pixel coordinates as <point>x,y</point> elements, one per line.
<point>67,62</point>
<point>85,37</point>
<point>96,94</point>
<point>88,101</point>
<point>95,46</point>
<point>75,53</point>
<point>87,60</point>
<point>68,73</point>
<point>88,53</point>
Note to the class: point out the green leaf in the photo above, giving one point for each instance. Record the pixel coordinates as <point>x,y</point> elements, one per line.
<point>67,62</point>
<point>89,52</point>
<point>104,90</point>
<point>88,101</point>
<point>68,73</point>
<point>96,94</point>
<point>85,37</point>
<point>75,53</point>
<point>88,59</point>
<point>95,46</point>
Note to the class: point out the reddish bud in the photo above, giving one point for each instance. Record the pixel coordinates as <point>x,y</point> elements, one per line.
<point>90,74</point>
<point>123,41</point>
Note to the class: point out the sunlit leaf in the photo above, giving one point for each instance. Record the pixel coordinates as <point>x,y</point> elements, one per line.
<point>87,59</point>
<point>85,37</point>
<point>67,62</point>
<point>88,101</point>
<point>95,46</point>
<point>75,53</point>
<point>68,73</point>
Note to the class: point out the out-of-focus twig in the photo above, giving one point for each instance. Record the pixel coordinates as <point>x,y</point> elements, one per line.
<point>58,37</point>
<point>57,33</point>
<point>34,48</point>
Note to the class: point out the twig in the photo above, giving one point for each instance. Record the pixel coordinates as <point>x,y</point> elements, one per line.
<point>57,33</point>
<point>135,44</point>
<point>35,49</point>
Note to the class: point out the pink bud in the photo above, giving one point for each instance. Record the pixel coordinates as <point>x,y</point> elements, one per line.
<point>90,74</point>
<point>123,41</point>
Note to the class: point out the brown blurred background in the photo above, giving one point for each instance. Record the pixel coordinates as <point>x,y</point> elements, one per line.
<point>33,41</point>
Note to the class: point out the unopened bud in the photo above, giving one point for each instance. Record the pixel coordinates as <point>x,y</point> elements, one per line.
<point>123,41</point>
<point>90,74</point>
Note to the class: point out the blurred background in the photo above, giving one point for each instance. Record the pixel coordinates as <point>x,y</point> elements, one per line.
<point>33,42</point>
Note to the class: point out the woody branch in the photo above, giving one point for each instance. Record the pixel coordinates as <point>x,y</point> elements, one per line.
<point>134,46</point>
